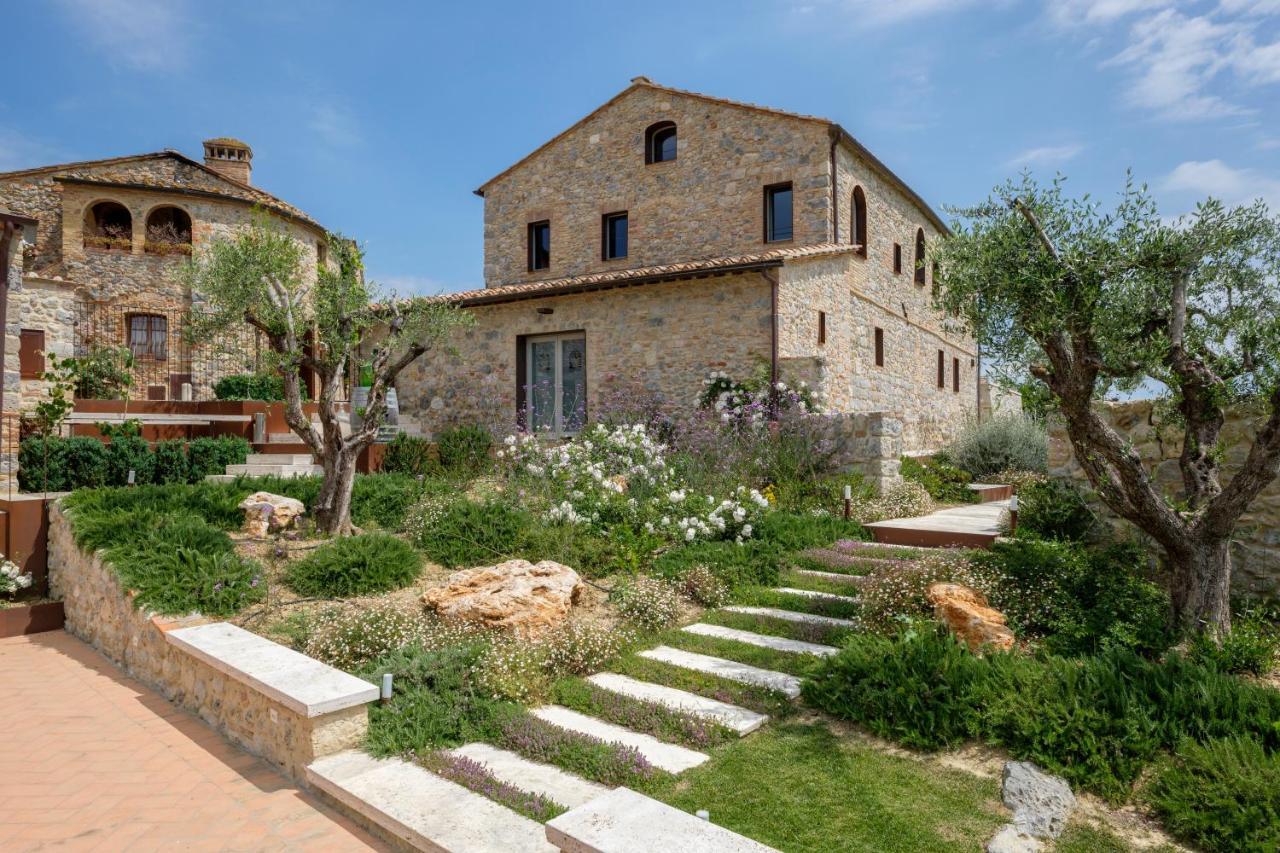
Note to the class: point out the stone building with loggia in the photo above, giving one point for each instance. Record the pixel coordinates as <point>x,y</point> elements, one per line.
<point>669,234</point>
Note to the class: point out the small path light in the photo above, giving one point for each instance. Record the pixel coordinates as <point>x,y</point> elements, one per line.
<point>704,814</point>
<point>386,688</point>
<point>848,502</point>
<point>1013,515</point>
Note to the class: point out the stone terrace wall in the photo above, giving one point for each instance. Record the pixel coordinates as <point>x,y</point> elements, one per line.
<point>1256,551</point>
<point>102,614</point>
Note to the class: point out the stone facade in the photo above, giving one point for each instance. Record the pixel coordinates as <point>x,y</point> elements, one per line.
<point>70,279</point>
<point>103,614</point>
<point>1256,549</point>
<point>707,207</point>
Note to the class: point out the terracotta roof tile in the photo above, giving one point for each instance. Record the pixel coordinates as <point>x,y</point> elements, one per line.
<point>640,275</point>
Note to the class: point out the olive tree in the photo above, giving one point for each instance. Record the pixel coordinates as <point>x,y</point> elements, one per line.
<point>322,322</point>
<point>1092,302</point>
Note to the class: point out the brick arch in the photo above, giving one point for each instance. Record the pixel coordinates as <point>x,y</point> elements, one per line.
<point>858,220</point>
<point>654,137</point>
<point>919,256</point>
<point>107,224</point>
<point>168,229</point>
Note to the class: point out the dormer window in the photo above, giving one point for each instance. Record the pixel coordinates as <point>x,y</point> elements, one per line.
<point>660,142</point>
<point>108,225</point>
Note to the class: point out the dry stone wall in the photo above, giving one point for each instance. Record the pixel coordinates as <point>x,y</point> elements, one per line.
<point>1256,549</point>
<point>102,613</point>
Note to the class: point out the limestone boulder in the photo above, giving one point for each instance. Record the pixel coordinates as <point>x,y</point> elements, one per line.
<point>515,595</point>
<point>1041,803</point>
<point>967,614</point>
<point>266,513</point>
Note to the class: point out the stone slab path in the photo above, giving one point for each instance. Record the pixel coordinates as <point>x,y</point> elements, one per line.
<point>813,593</point>
<point>788,685</point>
<point>793,616</point>
<point>665,756</point>
<point>91,759</point>
<point>765,641</point>
<point>551,782</point>
<point>740,720</point>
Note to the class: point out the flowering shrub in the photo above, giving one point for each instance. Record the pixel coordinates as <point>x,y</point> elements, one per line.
<point>905,499</point>
<point>581,649</point>
<point>514,669</point>
<point>752,403</point>
<point>648,602</point>
<point>702,586</point>
<point>892,596</point>
<point>12,578</point>
<point>349,637</point>
<point>1018,478</point>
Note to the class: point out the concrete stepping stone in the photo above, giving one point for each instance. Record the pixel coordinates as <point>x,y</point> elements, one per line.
<point>551,782</point>
<point>664,756</point>
<point>767,641</point>
<point>793,616</point>
<point>740,720</point>
<point>835,577</point>
<point>624,821</point>
<point>428,812</point>
<point>789,685</point>
<point>813,593</point>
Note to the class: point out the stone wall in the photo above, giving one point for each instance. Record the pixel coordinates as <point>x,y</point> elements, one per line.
<point>10,374</point>
<point>667,337</point>
<point>708,202</point>
<point>103,614</point>
<point>1256,551</point>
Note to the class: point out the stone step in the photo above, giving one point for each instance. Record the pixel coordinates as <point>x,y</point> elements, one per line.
<point>767,641</point>
<point>788,685</point>
<point>813,593</point>
<point>740,720</point>
<point>249,470</point>
<point>279,459</point>
<point>794,616</point>
<point>834,577</point>
<point>664,756</point>
<point>551,782</point>
<point>428,812</point>
<point>624,821</point>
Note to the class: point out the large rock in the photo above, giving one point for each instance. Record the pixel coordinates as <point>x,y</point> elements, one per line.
<point>1009,840</point>
<point>965,611</point>
<point>516,594</point>
<point>266,513</point>
<point>1040,803</point>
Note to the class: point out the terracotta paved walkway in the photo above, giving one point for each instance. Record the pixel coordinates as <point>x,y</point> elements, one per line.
<point>90,759</point>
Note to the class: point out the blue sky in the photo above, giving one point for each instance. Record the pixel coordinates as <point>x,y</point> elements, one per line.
<point>380,118</point>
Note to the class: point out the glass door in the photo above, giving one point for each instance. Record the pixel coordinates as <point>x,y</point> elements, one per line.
<point>557,383</point>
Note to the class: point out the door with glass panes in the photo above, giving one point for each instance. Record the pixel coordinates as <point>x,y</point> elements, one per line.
<point>557,382</point>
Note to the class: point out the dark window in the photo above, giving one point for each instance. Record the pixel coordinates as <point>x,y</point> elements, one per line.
<point>919,256</point>
<point>660,142</point>
<point>879,347</point>
<point>897,257</point>
<point>539,245</point>
<point>860,220</point>
<point>149,336</point>
<point>777,213</point>
<point>955,375</point>
<point>942,369</point>
<point>168,232</point>
<point>822,327</point>
<point>31,353</point>
<point>108,225</point>
<point>322,254</point>
<point>614,235</point>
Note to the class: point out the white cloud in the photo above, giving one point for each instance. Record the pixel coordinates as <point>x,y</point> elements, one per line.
<point>335,126</point>
<point>1215,178</point>
<point>1044,156</point>
<point>884,13</point>
<point>1075,13</point>
<point>417,285</point>
<point>143,35</point>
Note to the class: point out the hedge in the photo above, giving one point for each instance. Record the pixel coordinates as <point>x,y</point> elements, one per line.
<point>81,462</point>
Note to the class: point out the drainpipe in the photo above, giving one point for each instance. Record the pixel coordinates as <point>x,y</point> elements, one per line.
<point>772,278</point>
<point>978,382</point>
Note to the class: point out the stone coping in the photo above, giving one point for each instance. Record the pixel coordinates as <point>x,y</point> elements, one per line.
<point>623,821</point>
<point>299,683</point>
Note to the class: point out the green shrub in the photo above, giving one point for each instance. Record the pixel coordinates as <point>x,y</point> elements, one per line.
<point>468,533</point>
<point>752,562</point>
<point>350,636</point>
<point>169,462</point>
<point>384,499</point>
<point>1250,648</point>
<point>409,454</point>
<point>1223,795</point>
<point>356,565</point>
<point>648,602</point>
<point>88,463</point>
<point>796,531</point>
<point>701,585</point>
<point>252,386</point>
<point>826,493</point>
<point>70,463</point>
<point>942,481</point>
<point>1055,509</point>
<point>207,456</point>
<point>1014,440</point>
<point>464,449</point>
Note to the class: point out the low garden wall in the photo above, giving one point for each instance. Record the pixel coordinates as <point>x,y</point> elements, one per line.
<point>250,709</point>
<point>1256,551</point>
<point>870,444</point>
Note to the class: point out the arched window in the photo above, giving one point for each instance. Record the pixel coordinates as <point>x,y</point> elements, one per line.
<point>168,232</point>
<point>660,142</point>
<point>108,225</point>
<point>920,256</point>
<point>859,223</point>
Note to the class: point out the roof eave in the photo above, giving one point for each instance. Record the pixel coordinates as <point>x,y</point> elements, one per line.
<point>864,152</point>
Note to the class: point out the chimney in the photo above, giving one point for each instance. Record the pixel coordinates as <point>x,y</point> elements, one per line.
<point>230,158</point>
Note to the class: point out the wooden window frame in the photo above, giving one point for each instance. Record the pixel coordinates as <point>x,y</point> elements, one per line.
<point>859,223</point>
<point>919,257</point>
<point>942,369</point>
<point>649,135</point>
<point>955,375</point>
<point>822,327</point>
<point>605,219</point>
<point>897,258</point>
<point>769,191</point>
<point>149,353</point>
<point>879,345</point>
<point>529,232</point>
<point>31,362</point>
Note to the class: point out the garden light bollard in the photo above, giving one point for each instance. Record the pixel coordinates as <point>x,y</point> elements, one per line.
<point>385,697</point>
<point>259,428</point>
<point>848,502</point>
<point>704,814</point>
<point>1013,514</point>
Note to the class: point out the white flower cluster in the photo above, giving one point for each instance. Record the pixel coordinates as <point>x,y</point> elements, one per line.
<point>737,403</point>
<point>12,578</point>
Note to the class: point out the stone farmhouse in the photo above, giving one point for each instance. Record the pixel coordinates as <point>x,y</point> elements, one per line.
<point>670,234</point>
<point>92,252</point>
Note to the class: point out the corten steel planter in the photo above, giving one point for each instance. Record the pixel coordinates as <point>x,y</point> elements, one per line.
<point>30,618</point>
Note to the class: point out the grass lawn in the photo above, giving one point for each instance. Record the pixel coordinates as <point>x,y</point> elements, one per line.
<point>800,787</point>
